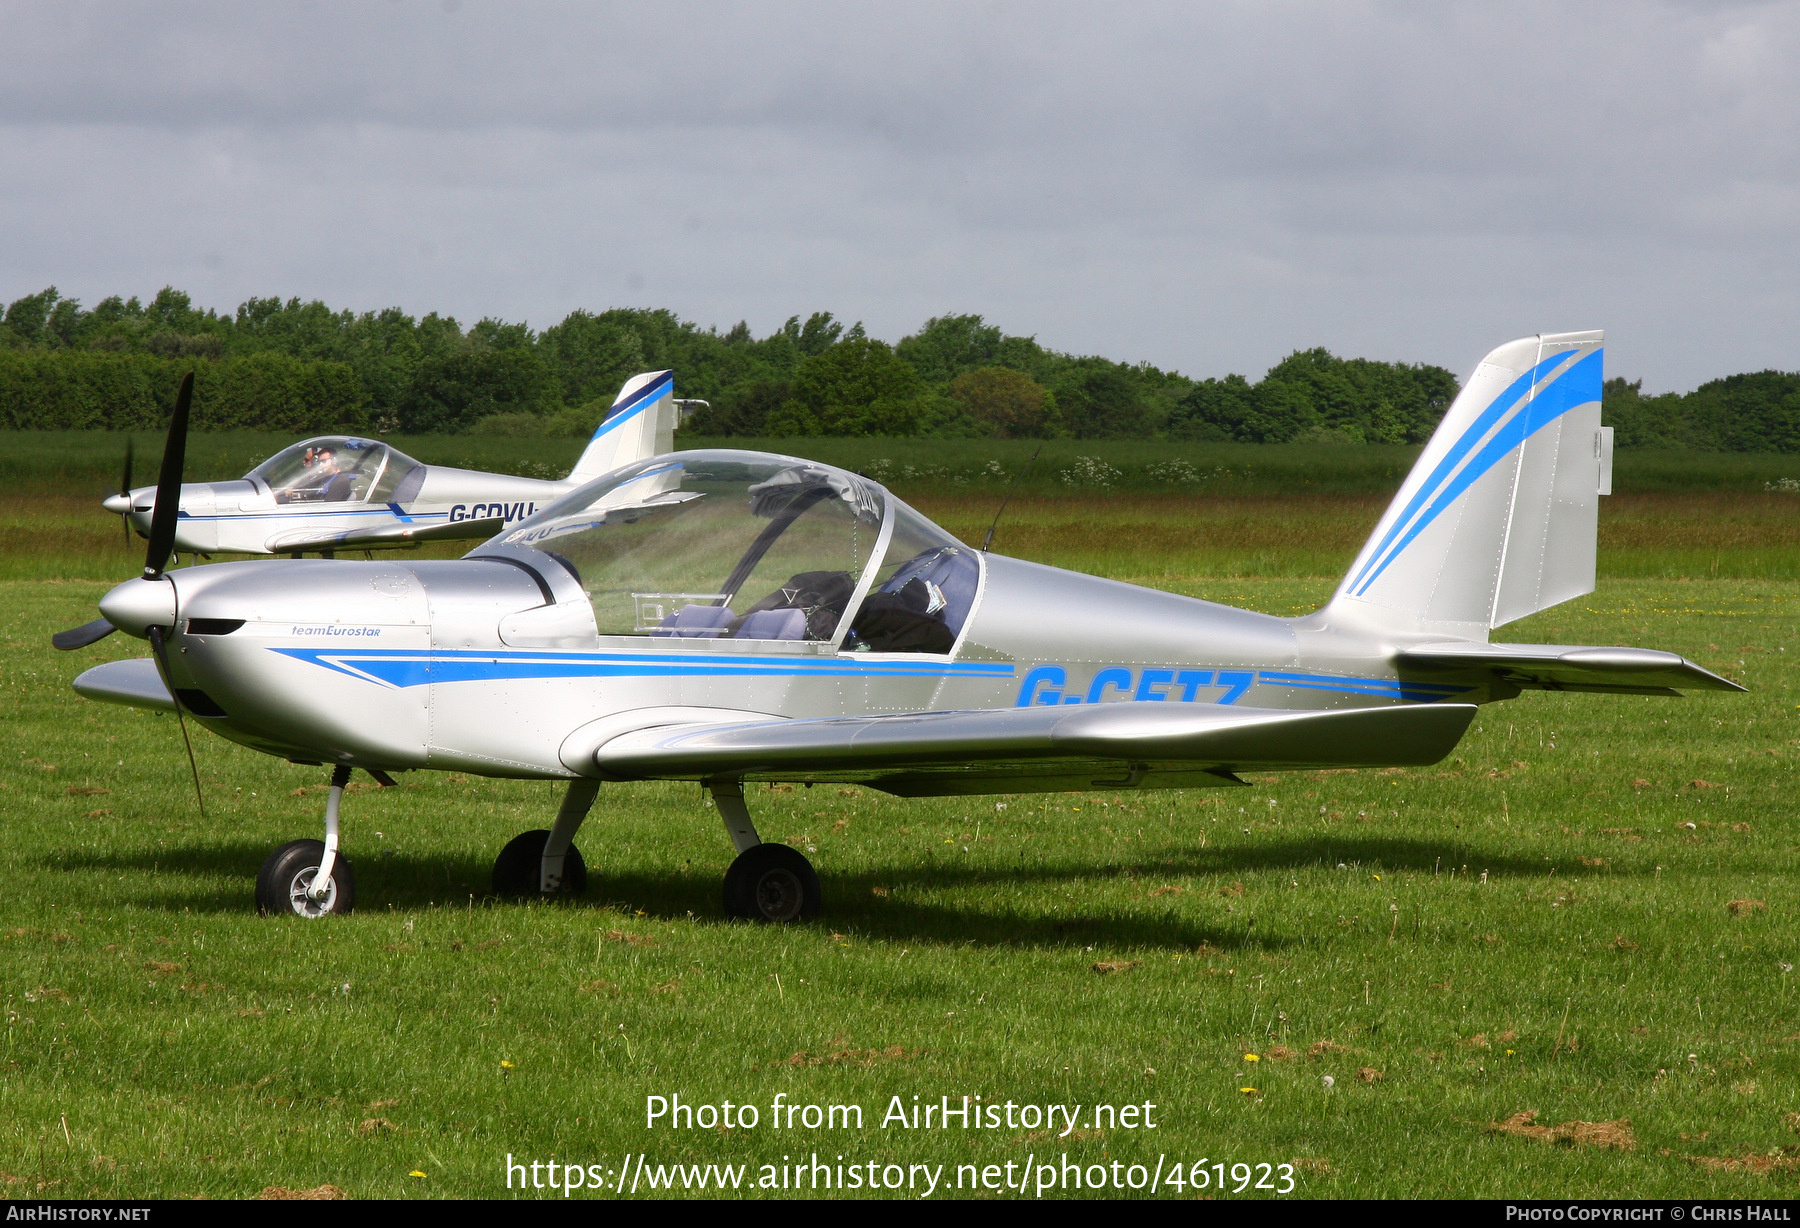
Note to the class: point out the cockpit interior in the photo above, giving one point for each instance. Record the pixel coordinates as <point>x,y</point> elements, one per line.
<point>745,546</point>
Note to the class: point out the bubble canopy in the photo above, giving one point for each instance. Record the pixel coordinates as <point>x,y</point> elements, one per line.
<point>749,546</point>
<point>334,469</point>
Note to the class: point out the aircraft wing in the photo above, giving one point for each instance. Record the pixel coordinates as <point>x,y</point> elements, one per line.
<point>134,683</point>
<point>1566,667</point>
<point>1041,749</point>
<point>384,536</point>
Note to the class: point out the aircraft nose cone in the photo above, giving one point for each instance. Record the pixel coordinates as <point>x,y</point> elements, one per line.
<point>137,605</point>
<point>118,505</point>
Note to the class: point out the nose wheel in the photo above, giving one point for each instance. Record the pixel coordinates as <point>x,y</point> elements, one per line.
<point>289,883</point>
<point>310,878</point>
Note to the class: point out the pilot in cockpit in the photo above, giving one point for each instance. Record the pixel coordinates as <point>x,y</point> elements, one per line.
<point>321,464</point>
<point>323,481</point>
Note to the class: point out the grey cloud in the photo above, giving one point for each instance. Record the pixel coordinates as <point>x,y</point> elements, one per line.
<point>1201,186</point>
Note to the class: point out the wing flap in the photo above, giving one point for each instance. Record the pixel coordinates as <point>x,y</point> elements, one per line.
<point>1112,741</point>
<point>134,683</point>
<point>385,536</point>
<point>1571,667</point>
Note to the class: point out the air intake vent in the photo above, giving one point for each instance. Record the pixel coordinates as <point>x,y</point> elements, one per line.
<point>213,626</point>
<point>198,702</point>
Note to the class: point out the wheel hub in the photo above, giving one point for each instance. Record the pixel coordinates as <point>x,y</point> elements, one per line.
<point>300,894</point>
<point>779,895</point>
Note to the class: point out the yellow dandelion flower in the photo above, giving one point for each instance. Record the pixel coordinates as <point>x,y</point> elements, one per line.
<point>1248,1091</point>
<point>1251,1057</point>
<point>415,1173</point>
<point>505,1065</point>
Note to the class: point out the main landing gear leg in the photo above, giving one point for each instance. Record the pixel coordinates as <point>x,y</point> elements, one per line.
<point>307,877</point>
<point>560,848</point>
<point>767,882</point>
<point>547,863</point>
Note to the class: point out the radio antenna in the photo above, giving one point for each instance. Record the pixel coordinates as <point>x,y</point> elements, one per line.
<point>1017,477</point>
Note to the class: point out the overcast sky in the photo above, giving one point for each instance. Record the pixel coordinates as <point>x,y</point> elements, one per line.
<point>1202,186</point>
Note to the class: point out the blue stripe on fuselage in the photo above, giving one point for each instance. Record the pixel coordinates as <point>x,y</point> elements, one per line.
<point>409,667</point>
<point>384,510</point>
<point>413,667</point>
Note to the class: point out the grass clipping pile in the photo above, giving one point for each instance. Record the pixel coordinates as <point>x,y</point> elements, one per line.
<point>1616,1134</point>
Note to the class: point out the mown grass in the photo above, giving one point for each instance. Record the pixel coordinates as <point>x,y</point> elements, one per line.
<point>1531,925</point>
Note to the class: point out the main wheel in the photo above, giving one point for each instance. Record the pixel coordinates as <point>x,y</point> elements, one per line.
<point>285,882</point>
<point>516,870</point>
<point>771,882</point>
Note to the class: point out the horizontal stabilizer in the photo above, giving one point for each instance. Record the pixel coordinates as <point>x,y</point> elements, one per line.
<point>1564,667</point>
<point>134,683</point>
<point>1011,750</point>
<point>386,536</point>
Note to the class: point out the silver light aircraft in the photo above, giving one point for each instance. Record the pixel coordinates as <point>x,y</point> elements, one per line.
<point>728,617</point>
<point>339,492</point>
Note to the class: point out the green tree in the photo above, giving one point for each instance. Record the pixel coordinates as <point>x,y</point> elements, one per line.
<point>857,387</point>
<point>949,346</point>
<point>1010,404</point>
<point>1102,402</point>
<point>1754,412</point>
<point>456,391</point>
<point>1215,409</point>
<point>26,317</point>
<point>744,409</point>
<point>592,356</point>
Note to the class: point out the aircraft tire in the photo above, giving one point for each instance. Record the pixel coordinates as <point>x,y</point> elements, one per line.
<point>771,883</point>
<point>516,868</point>
<point>288,872</point>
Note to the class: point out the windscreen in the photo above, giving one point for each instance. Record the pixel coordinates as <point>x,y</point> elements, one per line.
<point>924,588</point>
<point>714,545</point>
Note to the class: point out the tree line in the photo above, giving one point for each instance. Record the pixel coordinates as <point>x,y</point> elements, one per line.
<point>302,366</point>
<point>290,365</point>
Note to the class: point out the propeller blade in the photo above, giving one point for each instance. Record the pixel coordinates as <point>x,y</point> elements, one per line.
<point>125,489</point>
<point>162,663</point>
<point>82,636</point>
<point>168,484</point>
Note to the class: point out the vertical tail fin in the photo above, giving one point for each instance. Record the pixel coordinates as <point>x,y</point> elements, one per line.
<point>640,424</point>
<point>1497,519</point>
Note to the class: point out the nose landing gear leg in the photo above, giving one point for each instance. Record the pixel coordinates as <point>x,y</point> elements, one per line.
<point>767,882</point>
<point>307,877</point>
<point>321,884</point>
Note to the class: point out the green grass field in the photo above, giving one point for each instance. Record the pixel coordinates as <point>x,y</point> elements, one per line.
<point>1587,913</point>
